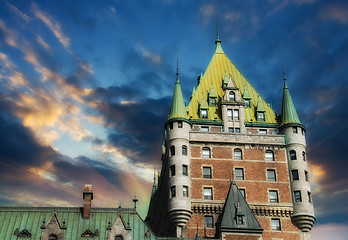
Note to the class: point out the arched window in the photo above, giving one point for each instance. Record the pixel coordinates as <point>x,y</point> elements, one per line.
<point>172,150</point>
<point>118,237</point>
<point>232,96</point>
<point>293,155</point>
<point>52,237</point>
<point>206,152</point>
<point>304,156</point>
<point>184,150</point>
<point>237,153</point>
<point>269,155</point>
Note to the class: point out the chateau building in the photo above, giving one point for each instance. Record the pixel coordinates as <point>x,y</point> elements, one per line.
<point>231,167</point>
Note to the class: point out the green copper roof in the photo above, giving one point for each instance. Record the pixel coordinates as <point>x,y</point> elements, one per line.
<point>31,219</point>
<point>260,107</point>
<point>236,205</point>
<point>212,92</point>
<point>226,79</point>
<point>178,108</point>
<point>246,93</point>
<point>204,103</point>
<point>289,114</point>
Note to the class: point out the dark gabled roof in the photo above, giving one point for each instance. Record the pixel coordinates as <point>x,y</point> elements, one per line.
<point>235,205</point>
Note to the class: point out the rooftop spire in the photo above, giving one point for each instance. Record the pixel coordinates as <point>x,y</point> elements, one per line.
<point>178,108</point>
<point>218,41</point>
<point>289,114</point>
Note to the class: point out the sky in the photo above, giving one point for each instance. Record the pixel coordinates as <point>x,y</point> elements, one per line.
<point>86,86</point>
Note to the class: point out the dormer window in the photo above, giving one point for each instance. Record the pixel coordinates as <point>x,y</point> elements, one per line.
<point>204,113</point>
<point>232,96</point>
<point>247,103</point>
<point>261,116</point>
<point>52,237</point>
<point>240,219</point>
<point>212,102</point>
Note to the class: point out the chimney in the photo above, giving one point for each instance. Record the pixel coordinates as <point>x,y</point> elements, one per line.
<point>87,200</point>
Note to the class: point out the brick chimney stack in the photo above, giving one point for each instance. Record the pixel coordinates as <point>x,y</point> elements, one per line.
<point>87,200</point>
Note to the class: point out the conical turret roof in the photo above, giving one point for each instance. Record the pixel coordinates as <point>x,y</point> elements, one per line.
<point>289,114</point>
<point>178,108</point>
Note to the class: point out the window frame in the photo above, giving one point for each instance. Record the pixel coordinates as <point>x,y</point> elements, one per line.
<point>277,226</point>
<point>247,103</point>
<point>204,113</point>
<point>179,124</point>
<point>172,170</point>
<point>269,153</point>
<point>294,130</point>
<point>185,193</point>
<point>207,196</point>
<point>271,178</point>
<point>236,155</point>
<point>207,176</point>
<point>261,116</point>
<point>231,96</point>
<point>293,155</point>
<point>230,114</point>
<point>273,196</point>
<point>206,129</point>
<point>184,172</point>
<point>206,152</point>
<point>298,196</point>
<point>172,150</point>
<point>295,175</point>
<point>184,150</point>
<point>236,114</point>
<point>172,191</point>
<point>209,224</point>
<point>239,176</point>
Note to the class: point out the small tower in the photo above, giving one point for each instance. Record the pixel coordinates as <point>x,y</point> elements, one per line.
<point>290,125</point>
<point>178,162</point>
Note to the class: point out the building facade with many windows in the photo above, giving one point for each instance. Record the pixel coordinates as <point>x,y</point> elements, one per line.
<point>231,167</point>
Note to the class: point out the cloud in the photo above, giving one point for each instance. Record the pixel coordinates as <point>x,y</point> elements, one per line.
<point>9,35</point>
<point>334,12</point>
<point>43,44</point>
<point>18,12</point>
<point>332,231</point>
<point>156,59</point>
<point>53,26</point>
<point>207,11</point>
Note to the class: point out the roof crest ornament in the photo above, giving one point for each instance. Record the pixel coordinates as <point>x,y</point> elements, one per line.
<point>177,69</point>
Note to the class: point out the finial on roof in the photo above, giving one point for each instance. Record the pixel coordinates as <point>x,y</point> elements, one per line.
<point>177,69</point>
<point>284,78</point>
<point>217,28</point>
<point>135,200</point>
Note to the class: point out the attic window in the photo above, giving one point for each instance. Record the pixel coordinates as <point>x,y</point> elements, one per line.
<point>212,101</point>
<point>232,96</point>
<point>52,237</point>
<point>261,116</point>
<point>240,219</point>
<point>24,234</point>
<point>88,234</point>
<point>247,103</point>
<point>119,237</point>
<point>204,113</point>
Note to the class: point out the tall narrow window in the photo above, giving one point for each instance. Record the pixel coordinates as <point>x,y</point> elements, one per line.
<point>184,150</point>
<point>275,222</point>
<point>302,130</point>
<point>309,197</point>
<point>239,173</point>
<point>185,191</point>
<point>172,150</point>
<point>208,193</point>
<point>237,130</point>
<point>297,195</point>
<point>173,191</point>
<point>232,96</point>
<point>306,175</point>
<point>206,152</point>
<point>269,155</point>
<point>204,113</point>
<point>236,114</point>
<point>231,130</point>
<point>206,172</point>
<point>184,170</point>
<point>171,125</point>
<point>271,175</point>
<point>179,124</point>
<point>304,156</point>
<point>294,174</point>
<point>237,153</point>
<point>293,155</point>
<point>247,103</point>
<point>273,196</point>
<point>208,221</point>
<point>172,170</point>
<point>229,114</point>
<point>294,129</point>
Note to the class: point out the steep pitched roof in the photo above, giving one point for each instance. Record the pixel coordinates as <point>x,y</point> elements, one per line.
<point>289,114</point>
<point>215,75</point>
<point>177,108</point>
<point>236,205</point>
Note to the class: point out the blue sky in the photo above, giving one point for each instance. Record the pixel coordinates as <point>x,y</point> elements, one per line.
<point>86,88</point>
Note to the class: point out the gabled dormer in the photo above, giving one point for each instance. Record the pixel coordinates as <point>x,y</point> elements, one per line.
<point>260,111</point>
<point>119,229</point>
<point>246,98</point>
<point>203,109</point>
<point>54,229</point>
<point>212,97</point>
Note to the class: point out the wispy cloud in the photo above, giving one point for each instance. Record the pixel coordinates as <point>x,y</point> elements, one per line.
<point>154,58</point>
<point>207,11</point>
<point>334,12</point>
<point>9,35</point>
<point>18,12</point>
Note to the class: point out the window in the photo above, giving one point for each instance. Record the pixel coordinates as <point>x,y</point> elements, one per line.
<point>212,101</point>
<point>184,170</point>
<point>231,130</point>
<point>271,175</point>
<point>239,173</point>
<point>205,129</point>
<point>262,131</point>
<point>294,129</point>
<point>275,222</point>
<point>242,191</point>
<point>204,113</point>
<point>229,114</point>
<point>184,150</point>
<point>118,237</point>
<point>172,170</point>
<point>206,172</point>
<point>309,197</point>
<point>297,195</point>
<point>240,220</point>
<point>185,191</point>
<point>171,125</point>
<point>293,155</point>
<point>206,152</point>
<point>52,237</point>
<point>247,103</point>
<point>179,124</point>
<point>304,156</point>
<point>302,130</point>
<point>237,130</point>
<point>273,196</point>
<point>294,174</point>
<point>208,221</point>
<point>173,191</point>
<point>232,96</point>
<point>306,175</point>
<point>237,154</point>
<point>208,193</point>
<point>260,116</point>
<point>235,114</point>
<point>172,150</point>
<point>269,155</point>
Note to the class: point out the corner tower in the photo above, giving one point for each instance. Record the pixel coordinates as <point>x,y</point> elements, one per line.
<point>295,141</point>
<point>178,162</point>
